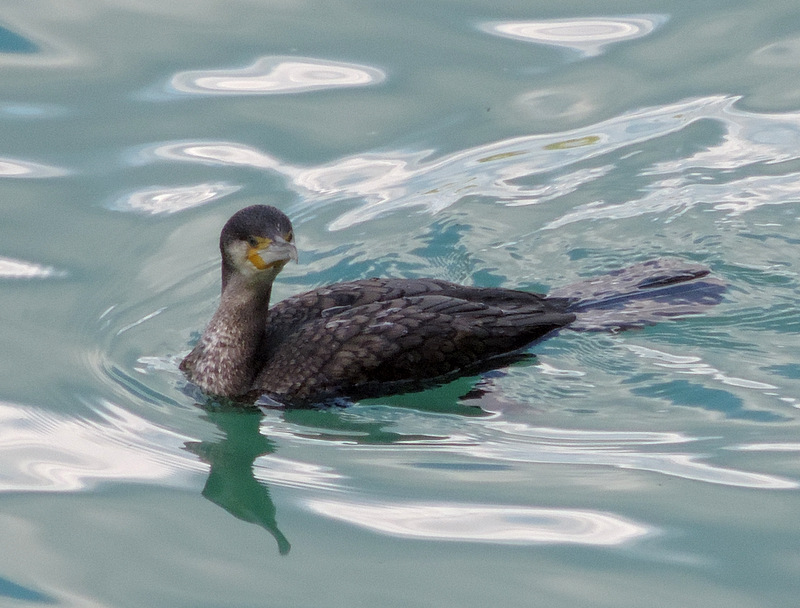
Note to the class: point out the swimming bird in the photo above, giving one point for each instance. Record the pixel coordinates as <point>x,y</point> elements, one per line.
<point>380,336</point>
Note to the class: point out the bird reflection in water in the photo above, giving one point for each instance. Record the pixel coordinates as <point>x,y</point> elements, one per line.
<point>231,482</point>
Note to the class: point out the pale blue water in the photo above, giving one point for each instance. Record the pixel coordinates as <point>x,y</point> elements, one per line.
<point>523,144</point>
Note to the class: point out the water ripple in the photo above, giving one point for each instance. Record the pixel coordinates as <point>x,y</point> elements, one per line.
<point>520,443</point>
<point>536,169</point>
<point>693,365</point>
<point>769,447</point>
<point>22,169</point>
<point>276,75</point>
<point>294,474</point>
<point>784,54</point>
<point>516,525</point>
<point>735,197</point>
<point>212,153</point>
<point>588,36</point>
<point>20,269</point>
<point>13,42</point>
<point>46,452</point>
<point>31,111</point>
<point>504,441</point>
<point>165,200</point>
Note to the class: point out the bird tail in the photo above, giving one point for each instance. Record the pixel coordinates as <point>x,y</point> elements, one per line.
<point>640,295</point>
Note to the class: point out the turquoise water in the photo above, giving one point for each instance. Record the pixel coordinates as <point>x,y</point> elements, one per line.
<point>523,144</point>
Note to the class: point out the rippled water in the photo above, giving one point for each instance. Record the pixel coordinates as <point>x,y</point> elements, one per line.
<point>517,144</point>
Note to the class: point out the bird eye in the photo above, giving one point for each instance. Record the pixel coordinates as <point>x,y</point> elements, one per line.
<point>252,241</point>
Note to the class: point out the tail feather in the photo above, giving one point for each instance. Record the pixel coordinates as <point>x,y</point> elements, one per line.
<point>640,295</point>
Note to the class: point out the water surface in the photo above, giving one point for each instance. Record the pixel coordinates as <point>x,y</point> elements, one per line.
<point>515,143</point>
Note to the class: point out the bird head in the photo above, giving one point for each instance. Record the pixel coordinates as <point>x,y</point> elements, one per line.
<point>256,243</point>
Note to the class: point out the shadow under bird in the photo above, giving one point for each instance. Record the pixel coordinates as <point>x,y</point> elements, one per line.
<point>381,336</point>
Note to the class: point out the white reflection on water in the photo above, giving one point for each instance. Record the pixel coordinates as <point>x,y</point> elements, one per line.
<point>294,474</point>
<point>749,140</point>
<point>19,269</point>
<point>154,201</point>
<point>278,75</point>
<point>15,168</point>
<point>214,153</point>
<point>537,169</point>
<point>503,441</point>
<point>769,447</point>
<point>485,523</point>
<point>521,443</point>
<point>693,365</point>
<point>734,197</point>
<point>43,451</point>
<point>587,35</point>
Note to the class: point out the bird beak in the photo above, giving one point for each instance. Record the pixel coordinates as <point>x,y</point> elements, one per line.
<point>272,252</point>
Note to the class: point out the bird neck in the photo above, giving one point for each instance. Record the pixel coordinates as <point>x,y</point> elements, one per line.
<point>224,361</point>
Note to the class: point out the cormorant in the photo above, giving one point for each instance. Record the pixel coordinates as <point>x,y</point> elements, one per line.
<point>376,337</point>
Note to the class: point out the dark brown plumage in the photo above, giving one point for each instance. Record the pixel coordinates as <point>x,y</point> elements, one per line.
<point>379,336</point>
<point>388,335</point>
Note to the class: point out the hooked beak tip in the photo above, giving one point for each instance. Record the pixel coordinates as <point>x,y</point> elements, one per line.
<point>275,253</point>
